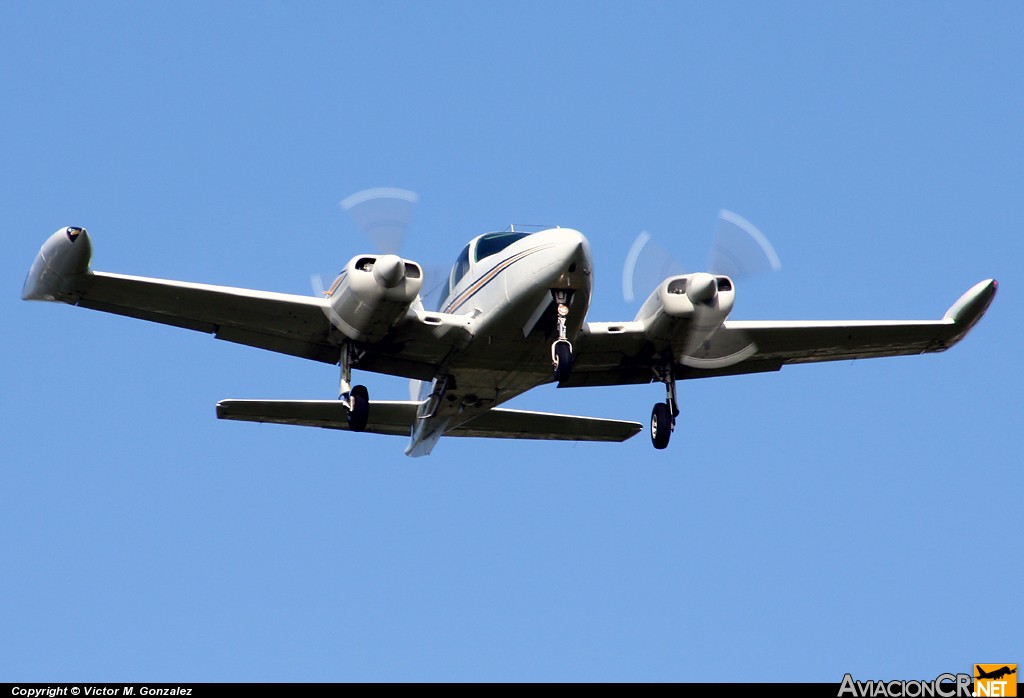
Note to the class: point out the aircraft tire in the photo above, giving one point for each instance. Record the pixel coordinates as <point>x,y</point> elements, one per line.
<point>359,412</point>
<point>661,425</point>
<point>563,361</point>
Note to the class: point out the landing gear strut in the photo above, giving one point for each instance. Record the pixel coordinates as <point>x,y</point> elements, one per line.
<point>663,416</point>
<point>358,398</point>
<point>561,348</point>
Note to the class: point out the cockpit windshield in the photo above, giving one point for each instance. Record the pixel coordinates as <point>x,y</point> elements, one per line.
<point>492,243</point>
<point>485,246</point>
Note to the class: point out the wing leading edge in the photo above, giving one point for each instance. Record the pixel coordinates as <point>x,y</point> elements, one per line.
<point>620,353</point>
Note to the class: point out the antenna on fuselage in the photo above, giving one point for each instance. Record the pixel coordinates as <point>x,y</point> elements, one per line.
<point>528,227</point>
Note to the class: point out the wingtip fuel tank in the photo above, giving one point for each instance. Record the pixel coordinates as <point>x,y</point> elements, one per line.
<point>60,266</point>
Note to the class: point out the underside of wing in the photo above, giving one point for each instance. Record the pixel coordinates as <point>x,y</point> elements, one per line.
<point>290,324</point>
<point>397,418</point>
<point>621,353</point>
<point>278,322</point>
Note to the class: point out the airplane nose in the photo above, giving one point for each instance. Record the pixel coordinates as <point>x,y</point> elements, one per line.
<point>570,237</point>
<point>571,245</point>
<point>567,255</point>
<point>577,251</point>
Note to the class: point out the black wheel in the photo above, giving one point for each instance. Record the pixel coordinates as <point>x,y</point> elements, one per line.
<point>661,425</point>
<point>563,361</point>
<point>359,409</point>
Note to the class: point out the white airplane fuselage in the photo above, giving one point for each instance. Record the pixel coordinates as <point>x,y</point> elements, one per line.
<point>509,297</point>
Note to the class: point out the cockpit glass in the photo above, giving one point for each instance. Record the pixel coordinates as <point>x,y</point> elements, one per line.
<point>486,245</point>
<point>492,243</point>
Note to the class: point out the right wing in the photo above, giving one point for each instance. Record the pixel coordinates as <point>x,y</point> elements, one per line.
<point>397,417</point>
<point>281,322</point>
<point>621,353</point>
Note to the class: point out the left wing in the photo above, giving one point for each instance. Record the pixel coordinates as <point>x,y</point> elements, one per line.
<point>621,353</point>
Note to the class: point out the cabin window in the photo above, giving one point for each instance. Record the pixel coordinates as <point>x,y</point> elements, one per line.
<point>459,270</point>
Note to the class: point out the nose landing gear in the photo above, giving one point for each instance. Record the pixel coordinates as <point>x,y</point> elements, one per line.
<point>561,348</point>
<point>561,357</point>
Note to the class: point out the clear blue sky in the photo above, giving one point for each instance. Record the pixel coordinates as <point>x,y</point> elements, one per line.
<point>851,517</point>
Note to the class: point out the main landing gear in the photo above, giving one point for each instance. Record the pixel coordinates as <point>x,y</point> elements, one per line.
<point>356,398</point>
<point>663,416</point>
<point>561,348</point>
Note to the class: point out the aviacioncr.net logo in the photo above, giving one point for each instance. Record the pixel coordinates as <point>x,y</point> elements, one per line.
<point>943,686</point>
<point>995,680</point>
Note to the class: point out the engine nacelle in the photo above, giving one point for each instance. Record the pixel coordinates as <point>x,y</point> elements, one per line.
<point>60,267</point>
<point>699,301</point>
<point>372,293</point>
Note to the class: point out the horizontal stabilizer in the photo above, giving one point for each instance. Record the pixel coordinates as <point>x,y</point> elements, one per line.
<point>397,417</point>
<point>386,417</point>
<point>520,424</point>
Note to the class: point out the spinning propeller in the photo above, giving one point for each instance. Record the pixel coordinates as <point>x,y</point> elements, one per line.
<point>383,215</point>
<point>739,250</point>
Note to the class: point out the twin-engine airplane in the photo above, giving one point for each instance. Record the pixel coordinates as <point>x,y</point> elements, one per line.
<point>513,318</point>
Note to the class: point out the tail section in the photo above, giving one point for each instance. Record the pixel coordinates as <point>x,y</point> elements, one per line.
<point>396,417</point>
